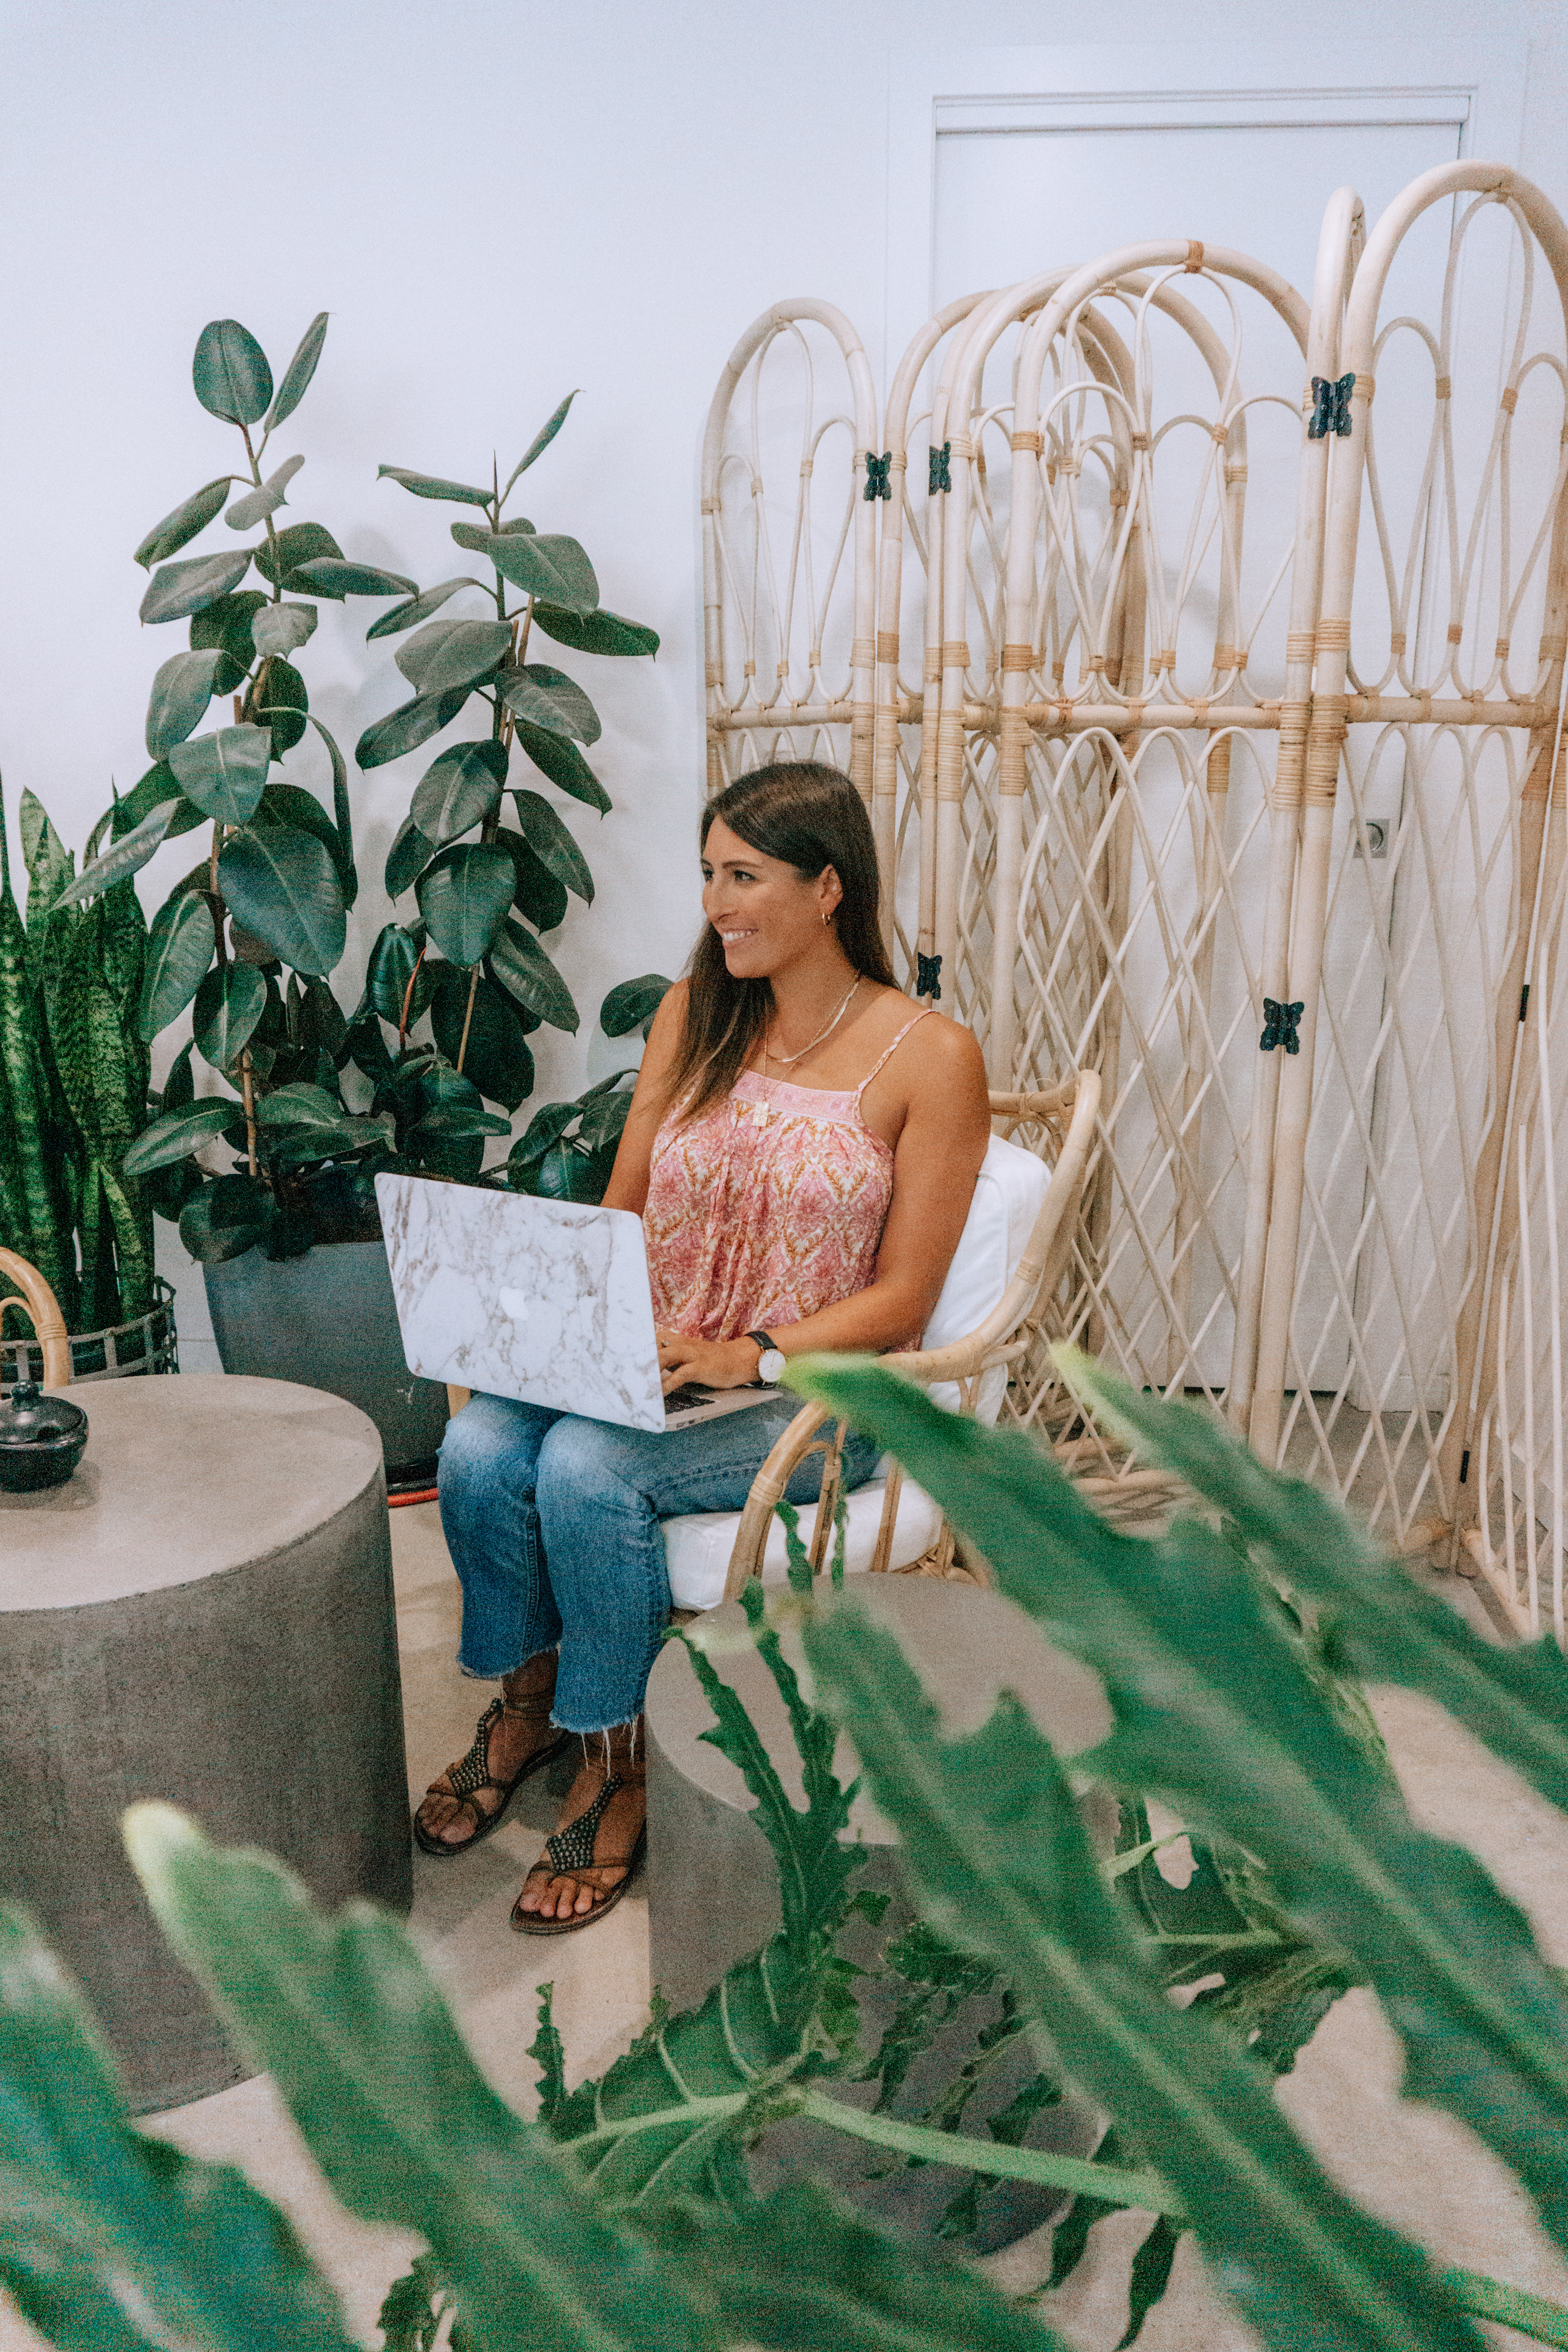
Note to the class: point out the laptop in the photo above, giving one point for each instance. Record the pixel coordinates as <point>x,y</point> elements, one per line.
<point>547,1301</point>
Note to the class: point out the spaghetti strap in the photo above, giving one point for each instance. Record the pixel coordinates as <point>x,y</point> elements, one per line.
<point>891,1049</point>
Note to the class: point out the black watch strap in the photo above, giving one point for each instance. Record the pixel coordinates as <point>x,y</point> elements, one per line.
<point>765,1339</point>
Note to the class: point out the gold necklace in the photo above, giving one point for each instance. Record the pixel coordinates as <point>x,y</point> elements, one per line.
<point>788,1060</point>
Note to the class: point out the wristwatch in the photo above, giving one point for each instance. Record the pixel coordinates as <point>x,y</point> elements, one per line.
<point>770,1363</point>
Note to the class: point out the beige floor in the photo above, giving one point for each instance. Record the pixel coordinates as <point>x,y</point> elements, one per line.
<point>1408,2163</point>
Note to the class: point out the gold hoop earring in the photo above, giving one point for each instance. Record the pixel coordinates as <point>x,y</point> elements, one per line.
<point>827,917</point>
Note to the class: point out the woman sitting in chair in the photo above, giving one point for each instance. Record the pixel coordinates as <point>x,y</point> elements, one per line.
<point>802,1148</point>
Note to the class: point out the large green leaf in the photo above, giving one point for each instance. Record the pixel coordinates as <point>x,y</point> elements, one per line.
<point>328,575</point>
<point>547,698</point>
<point>278,559</point>
<point>230,1003</point>
<point>407,2131</point>
<point>405,729</point>
<point>545,564</point>
<point>181,692</point>
<point>230,372</point>
<point>282,700</point>
<point>179,949</point>
<point>150,791</point>
<point>128,856</point>
<point>1513,1697</point>
<point>111,2242</point>
<point>192,515</point>
<point>390,968</point>
<point>562,762</point>
<point>282,628</point>
<point>265,499</point>
<point>552,843</point>
<point>631,1004</point>
<point>229,624</point>
<point>407,859</point>
<point>417,608</point>
<point>452,652</point>
<point>280,884</point>
<point>594,633</point>
<point>463,897</point>
<point>177,1132</point>
<point>496,1055</point>
<point>522,966</point>
<point>1214,1711</point>
<point>297,373</point>
<point>177,589</point>
<point>283,804</point>
<point>457,790</point>
<point>541,440</point>
<point>990,1831</point>
<point>537,895</point>
<point>224,774</point>
<point>225,1218</point>
<point>431,486</point>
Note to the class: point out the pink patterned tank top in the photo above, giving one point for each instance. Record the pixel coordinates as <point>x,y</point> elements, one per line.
<point>768,1208</point>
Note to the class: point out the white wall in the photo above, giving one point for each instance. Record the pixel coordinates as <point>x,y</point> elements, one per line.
<point>496,201</point>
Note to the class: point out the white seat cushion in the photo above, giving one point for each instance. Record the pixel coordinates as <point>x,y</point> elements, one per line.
<point>1008,1192</point>
<point>698,1547</point>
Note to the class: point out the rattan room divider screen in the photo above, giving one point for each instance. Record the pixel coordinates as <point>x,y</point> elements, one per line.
<point>1245,792</point>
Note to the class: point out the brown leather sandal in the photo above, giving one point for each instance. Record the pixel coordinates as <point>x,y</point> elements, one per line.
<point>569,1852</point>
<point>525,1695</point>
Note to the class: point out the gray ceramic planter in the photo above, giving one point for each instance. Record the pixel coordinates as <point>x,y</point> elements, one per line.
<point>328,1320</point>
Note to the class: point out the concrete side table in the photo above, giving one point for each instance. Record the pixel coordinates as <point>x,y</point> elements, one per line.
<point>203,1613</point>
<point>714,1889</point>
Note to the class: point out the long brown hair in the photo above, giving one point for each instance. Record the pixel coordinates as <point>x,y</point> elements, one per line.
<point>809,817</point>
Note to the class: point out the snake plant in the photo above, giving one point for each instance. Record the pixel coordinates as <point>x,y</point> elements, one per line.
<point>73,1082</point>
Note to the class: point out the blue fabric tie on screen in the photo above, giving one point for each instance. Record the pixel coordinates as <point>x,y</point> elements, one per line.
<point>928,976</point>
<point>940,472</point>
<point>877,471</point>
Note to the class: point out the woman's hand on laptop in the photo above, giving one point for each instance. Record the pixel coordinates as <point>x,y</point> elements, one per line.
<point>715,1363</point>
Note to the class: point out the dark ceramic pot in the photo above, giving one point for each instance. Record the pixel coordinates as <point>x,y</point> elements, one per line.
<point>42,1439</point>
<point>329,1319</point>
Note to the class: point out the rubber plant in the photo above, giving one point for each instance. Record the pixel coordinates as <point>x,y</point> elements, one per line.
<point>73,1082</point>
<point>246,939</point>
<point>625,2216</point>
<point>469,955</point>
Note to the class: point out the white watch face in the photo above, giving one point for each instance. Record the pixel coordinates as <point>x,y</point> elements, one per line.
<point>770,1365</point>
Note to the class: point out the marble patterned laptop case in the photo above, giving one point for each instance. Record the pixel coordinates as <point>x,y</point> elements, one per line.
<point>543,1300</point>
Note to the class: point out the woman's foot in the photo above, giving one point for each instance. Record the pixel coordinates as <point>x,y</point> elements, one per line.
<point>514,1738</point>
<point>586,1866</point>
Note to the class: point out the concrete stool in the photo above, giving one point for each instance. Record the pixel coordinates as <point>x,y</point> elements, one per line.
<point>713,1891</point>
<point>202,1613</point>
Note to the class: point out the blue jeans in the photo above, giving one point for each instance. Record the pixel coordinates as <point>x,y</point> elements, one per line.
<point>552,1524</point>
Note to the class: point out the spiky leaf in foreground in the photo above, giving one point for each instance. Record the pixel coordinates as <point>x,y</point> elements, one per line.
<point>393,2108</point>
<point>110,2241</point>
<point>1214,1709</point>
<point>991,1831</point>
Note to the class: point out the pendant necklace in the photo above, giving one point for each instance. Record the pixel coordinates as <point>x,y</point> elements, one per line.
<point>788,1060</point>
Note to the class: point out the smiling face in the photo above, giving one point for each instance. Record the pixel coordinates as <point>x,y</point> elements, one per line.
<point>764,914</point>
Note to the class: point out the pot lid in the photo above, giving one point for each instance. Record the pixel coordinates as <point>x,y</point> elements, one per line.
<point>27,1417</point>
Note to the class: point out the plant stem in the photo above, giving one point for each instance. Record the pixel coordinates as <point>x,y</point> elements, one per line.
<point>468,1018</point>
<point>993,2158</point>
<point>1512,2307</point>
<point>407,1001</point>
<point>249,1093</point>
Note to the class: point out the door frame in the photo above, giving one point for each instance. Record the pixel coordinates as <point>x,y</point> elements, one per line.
<point>1477,86</point>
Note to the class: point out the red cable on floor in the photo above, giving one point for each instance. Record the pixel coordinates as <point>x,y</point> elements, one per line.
<point>396,1502</point>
